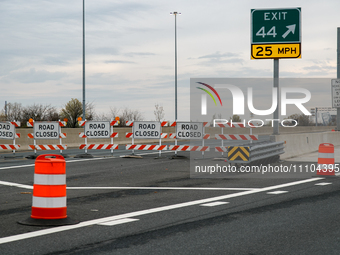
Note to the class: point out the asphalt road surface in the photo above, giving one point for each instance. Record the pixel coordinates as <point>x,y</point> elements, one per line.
<point>150,205</point>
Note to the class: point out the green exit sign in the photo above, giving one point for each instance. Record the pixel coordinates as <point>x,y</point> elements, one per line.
<point>275,26</point>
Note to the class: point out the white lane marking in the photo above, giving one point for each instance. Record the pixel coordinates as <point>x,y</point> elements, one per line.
<point>323,183</point>
<point>117,222</point>
<point>277,192</point>
<point>11,167</point>
<point>148,211</point>
<point>215,203</point>
<point>67,161</point>
<point>162,188</point>
<point>78,160</point>
<point>145,188</point>
<point>16,185</point>
<point>129,188</point>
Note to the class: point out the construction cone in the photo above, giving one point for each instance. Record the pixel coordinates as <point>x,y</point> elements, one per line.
<point>49,192</point>
<point>326,159</point>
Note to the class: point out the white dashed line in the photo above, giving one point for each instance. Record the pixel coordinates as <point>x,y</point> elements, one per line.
<point>323,183</point>
<point>277,192</point>
<point>215,204</point>
<point>117,222</point>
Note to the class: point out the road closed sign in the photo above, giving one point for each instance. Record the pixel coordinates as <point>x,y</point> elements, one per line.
<point>46,130</point>
<point>146,130</point>
<point>189,130</point>
<point>7,130</point>
<point>97,129</point>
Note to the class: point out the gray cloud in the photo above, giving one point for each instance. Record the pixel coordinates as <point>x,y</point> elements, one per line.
<point>218,55</point>
<point>119,62</point>
<point>132,54</point>
<point>33,76</point>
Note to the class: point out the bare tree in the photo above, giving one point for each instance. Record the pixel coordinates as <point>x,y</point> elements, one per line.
<point>2,115</point>
<point>14,112</point>
<point>39,112</point>
<point>130,115</point>
<point>114,112</point>
<point>302,120</point>
<point>159,112</point>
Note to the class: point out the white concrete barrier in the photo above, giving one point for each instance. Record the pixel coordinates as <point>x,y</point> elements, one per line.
<point>299,144</point>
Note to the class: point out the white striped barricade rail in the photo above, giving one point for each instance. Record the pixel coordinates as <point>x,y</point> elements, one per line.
<point>12,147</point>
<point>98,130</point>
<point>188,148</point>
<point>7,132</point>
<point>146,130</point>
<point>48,147</point>
<point>99,146</point>
<point>237,137</point>
<point>146,147</point>
<point>16,123</point>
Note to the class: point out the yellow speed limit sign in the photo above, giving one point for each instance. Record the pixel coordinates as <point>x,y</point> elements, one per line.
<point>267,51</point>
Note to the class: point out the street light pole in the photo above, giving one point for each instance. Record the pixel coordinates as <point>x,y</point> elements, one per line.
<point>83,59</point>
<point>175,14</point>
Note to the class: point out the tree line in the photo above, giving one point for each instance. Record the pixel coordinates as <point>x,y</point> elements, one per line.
<point>71,111</point>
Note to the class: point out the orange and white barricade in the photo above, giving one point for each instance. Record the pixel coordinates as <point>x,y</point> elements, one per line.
<point>98,130</point>
<point>46,130</point>
<point>188,148</point>
<point>146,130</point>
<point>189,131</point>
<point>326,159</point>
<point>7,132</point>
<point>242,137</point>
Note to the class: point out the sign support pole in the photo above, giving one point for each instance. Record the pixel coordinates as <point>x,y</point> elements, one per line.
<point>14,141</point>
<point>276,85</point>
<point>60,141</point>
<point>316,116</point>
<point>338,76</point>
<point>111,130</point>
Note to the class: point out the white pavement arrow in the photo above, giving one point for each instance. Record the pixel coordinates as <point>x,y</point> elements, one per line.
<point>291,28</point>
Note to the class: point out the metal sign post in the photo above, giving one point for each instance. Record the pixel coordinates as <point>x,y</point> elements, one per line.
<point>338,76</point>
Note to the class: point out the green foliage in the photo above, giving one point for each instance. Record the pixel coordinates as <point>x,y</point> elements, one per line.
<point>73,109</point>
<point>235,118</point>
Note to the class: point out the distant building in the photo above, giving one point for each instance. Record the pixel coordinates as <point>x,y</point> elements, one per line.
<point>325,115</point>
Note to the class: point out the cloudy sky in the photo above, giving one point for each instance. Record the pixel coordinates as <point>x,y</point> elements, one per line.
<point>130,50</point>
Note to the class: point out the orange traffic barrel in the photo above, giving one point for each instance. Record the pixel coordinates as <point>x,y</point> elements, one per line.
<point>49,192</point>
<point>49,189</point>
<point>326,159</point>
